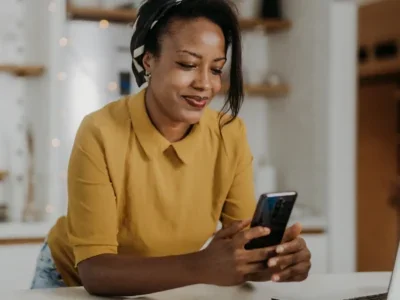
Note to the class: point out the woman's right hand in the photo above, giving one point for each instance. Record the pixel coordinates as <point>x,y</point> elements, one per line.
<point>226,261</point>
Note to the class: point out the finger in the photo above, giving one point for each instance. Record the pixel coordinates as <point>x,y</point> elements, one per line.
<point>257,255</point>
<point>244,237</point>
<point>293,246</point>
<point>283,262</point>
<point>292,232</point>
<point>296,271</point>
<point>252,268</point>
<point>232,229</point>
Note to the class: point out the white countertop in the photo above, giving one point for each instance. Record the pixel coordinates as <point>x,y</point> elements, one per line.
<point>24,230</point>
<point>41,229</point>
<point>321,287</point>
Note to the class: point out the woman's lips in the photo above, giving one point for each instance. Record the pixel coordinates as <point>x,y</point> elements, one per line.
<point>196,101</point>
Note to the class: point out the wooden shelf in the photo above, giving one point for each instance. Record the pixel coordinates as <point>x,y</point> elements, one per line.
<point>3,175</point>
<point>262,90</point>
<point>22,70</point>
<point>379,68</point>
<point>129,15</point>
<point>98,14</point>
<point>269,25</point>
<point>313,231</point>
<point>22,241</point>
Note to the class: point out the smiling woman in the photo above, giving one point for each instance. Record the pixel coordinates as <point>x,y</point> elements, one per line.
<point>150,175</point>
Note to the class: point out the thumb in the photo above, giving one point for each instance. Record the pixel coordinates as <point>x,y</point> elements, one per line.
<point>232,229</point>
<point>292,232</point>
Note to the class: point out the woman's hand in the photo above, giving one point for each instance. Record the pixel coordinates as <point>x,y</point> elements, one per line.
<point>293,260</point>
<point>225,261</point>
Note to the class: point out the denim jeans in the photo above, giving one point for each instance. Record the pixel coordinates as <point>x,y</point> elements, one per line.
<point>46,274</point>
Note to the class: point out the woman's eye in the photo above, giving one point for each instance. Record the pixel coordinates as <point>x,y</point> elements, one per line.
<point>217,71</point>
<point>186,66</point>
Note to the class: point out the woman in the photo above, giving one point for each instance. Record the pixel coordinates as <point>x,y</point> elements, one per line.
<point>151,175</point>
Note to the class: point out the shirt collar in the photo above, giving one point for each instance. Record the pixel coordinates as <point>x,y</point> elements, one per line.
<point>152,141</point>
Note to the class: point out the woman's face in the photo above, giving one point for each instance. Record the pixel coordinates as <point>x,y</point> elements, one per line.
<point>187,74</point>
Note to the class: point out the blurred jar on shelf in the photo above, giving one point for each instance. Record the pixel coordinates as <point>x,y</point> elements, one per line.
<point>273,79</point>
<point>271,9</point>
<point>249,8</point>
<point>3,177</point>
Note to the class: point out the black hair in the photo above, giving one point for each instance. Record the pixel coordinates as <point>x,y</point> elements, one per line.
<point>221,12</point>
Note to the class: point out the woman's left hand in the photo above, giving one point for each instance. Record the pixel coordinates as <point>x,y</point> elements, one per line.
<point>293,260</point>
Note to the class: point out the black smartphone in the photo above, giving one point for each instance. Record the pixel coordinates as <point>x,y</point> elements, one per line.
<point>273,211</point>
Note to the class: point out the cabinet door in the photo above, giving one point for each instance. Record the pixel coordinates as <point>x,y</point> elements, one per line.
<point>17,264</point>
<point>376,175</point>
<point>317,243</point>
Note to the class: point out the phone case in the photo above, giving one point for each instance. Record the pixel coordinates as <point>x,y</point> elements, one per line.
<point>273,211</point>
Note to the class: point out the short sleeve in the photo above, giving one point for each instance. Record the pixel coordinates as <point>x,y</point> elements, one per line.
<point>240,203</point>
<point>92,213</point>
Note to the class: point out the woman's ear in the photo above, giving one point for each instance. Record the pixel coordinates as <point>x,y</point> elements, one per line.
<point>148,62</point>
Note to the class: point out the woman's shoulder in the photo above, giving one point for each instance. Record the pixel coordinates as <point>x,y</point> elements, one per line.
<point>223,124</point>
<point>107,120</point>
<point>110,114</point>
<point>229,134</point>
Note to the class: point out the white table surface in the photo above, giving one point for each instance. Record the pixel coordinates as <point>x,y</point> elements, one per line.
<point>326,287</point>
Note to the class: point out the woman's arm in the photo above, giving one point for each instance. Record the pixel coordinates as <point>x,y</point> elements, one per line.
<point>124,275</point>
<point>224,262</point>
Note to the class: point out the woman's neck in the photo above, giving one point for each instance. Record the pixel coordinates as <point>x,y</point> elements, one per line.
<point>172,131</point>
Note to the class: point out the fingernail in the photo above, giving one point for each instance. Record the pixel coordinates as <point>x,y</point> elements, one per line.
<point>279,249</point>
<point>266,230</point>
<point>272,263</point>
<point>275,278</point>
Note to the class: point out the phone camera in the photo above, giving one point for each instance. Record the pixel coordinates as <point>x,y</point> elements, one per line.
<point>280,203</point>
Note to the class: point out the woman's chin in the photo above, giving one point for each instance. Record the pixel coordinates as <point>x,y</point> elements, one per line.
<point>192,117</point>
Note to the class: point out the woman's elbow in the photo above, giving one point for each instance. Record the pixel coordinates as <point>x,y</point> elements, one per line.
<point>93,290</point>
<point>90,276</point>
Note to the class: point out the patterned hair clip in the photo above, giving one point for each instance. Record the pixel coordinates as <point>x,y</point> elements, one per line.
<point>149,13</point>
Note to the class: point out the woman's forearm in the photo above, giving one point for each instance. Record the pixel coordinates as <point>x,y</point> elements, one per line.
<point>123,275</point>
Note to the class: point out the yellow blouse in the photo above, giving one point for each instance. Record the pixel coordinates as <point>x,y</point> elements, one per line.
<point>132,191</point>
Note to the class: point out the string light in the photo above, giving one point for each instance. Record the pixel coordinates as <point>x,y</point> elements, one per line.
<point>49,208</point>
<point>52,6</point>
<point>104,24</point>
<point>112,86</point>
<point>62,76</point>
<point>63,42</point>
<point>55,143</point>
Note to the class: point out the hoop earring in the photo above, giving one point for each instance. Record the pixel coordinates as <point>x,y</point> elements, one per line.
<point>147,75</point>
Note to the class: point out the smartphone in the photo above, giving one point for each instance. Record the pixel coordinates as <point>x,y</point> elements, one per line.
<point>273,211</point>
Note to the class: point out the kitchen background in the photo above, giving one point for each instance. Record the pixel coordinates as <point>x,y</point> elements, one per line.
<point>60,61</point>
